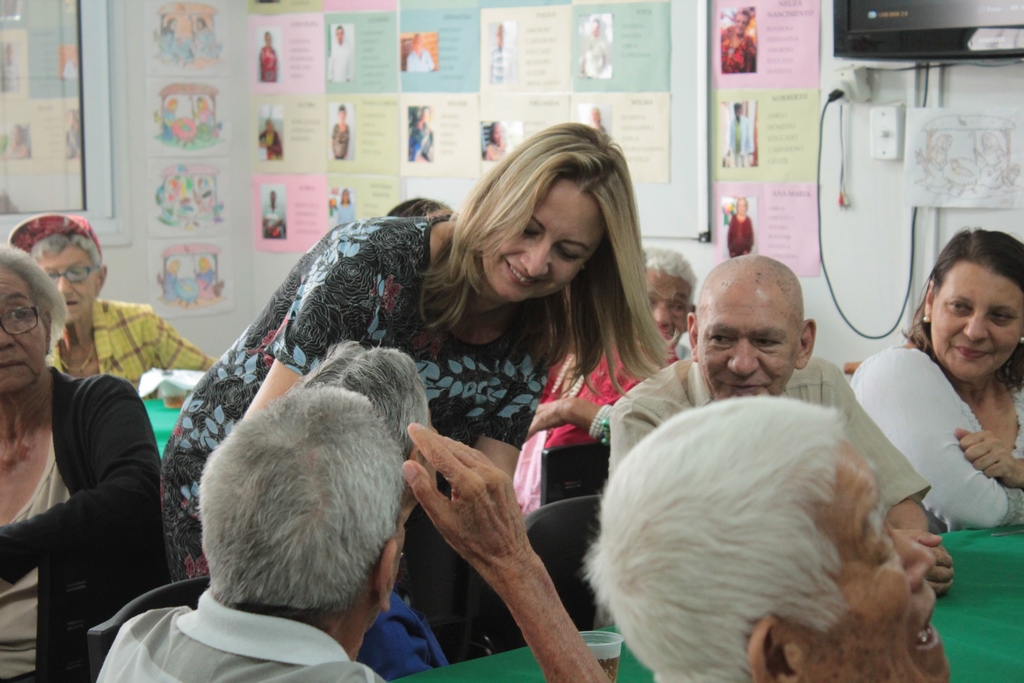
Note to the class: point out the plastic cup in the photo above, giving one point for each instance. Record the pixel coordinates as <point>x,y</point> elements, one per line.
<point>607,647</point>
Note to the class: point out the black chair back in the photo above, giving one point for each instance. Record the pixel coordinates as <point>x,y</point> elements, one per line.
<point>573,471</point>
<point>179,594</point>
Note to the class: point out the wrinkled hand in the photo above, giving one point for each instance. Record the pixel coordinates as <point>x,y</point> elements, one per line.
<point>548,416</point>
<point>482,521</point>
<point>940,576</point>
<point>992,456</point>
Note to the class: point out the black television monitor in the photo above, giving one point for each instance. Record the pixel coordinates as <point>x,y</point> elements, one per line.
<point>926,30</point>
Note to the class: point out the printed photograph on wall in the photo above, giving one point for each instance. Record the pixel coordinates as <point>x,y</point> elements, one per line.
<point>739,127</point>
<point>498,138</point>
<point>341,54</point>
<point>269,138</point>
<point>421,135</point>
<point>597,116</point>
<point>419,52</point>
<point>503,40</point>
<point>268,62</point>
<point>596,38</point>
<point>738,32</point>
<point>341,205</point>
<point>273,211</point>
<point>739,218</point>
<point>342,118</point>
<point>16,141</point>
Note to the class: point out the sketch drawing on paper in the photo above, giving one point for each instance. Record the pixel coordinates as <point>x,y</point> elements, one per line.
<point>187,37</point>
<point>190,277</point>
<point>187,196</point>
<point>967,159</point>
<point>188,116</point>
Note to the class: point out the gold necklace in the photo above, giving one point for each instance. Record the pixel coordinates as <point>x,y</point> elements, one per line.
<point>80,368</point>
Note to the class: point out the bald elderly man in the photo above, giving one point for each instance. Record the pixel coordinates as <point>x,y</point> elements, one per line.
<point>749,338</point>
<point>682,526</point>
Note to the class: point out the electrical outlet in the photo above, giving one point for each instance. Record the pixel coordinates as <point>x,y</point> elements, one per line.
<point>853,81</point>
<point>887,132</point>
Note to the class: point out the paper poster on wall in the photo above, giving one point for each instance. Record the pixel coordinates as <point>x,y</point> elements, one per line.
<point>40,137</point>
<point>360,5</point>
<point>507,120</point>
<point>191,277</point>
<point>621,48</point>
<point>438,50</point>
<point>52,60</point>
<point>185,37</point>
<point>284,6</point>
<point>290,212</point>
<point>524,49</point>
<point>289,134</point>
<point>765,135</point>
<point>765,43</point>
<point>286,54</point>
<point>362,52</point>
<point>435,142</point>
<point>187,117</point>
<point>779,220</point>
<point>353,197</point>
<point>188,197</point>
<point>639,122</point>
<point>360,134</point>
<point>965,157</point>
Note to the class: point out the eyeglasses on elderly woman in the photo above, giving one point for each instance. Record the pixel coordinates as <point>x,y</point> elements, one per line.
<point>74,274</point>
<point>20,320</point>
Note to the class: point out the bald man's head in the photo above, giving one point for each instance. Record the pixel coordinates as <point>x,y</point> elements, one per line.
<point>748,333</point>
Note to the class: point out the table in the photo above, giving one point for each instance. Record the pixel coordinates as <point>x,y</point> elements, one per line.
<point>163,420</point>
<point>981,621</point>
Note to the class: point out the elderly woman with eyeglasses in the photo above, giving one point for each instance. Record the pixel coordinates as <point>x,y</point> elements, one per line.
<point>112,337</point>
<point>79,480</point>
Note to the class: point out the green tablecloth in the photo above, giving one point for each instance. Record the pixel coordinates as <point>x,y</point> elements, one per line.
<point>981,621</point>
<point>162,419</point>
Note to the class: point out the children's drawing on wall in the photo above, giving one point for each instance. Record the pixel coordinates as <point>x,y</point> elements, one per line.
<point>498,138</point>
<point>341,205</point>
<point>965,159</point>
<point>273,211</point>
<point>738,219</point>
<point>269,139</point>
<point>190,278</point>
<point>595,46</point>
<point>187,118</point>
<point>739,140</point>
<point>186,36</point>
<point>187,197</point>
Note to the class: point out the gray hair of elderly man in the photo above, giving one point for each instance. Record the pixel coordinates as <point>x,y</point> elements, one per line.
<point>385,376</point>
<point>41,288</point>
<point>708,527</point>
<point>298,504</point>
<point>672,263</point>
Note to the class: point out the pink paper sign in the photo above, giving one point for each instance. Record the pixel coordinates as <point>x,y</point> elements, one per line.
<point>779,220</point>
<point>290,212</point>
<point>765,43</point>
<point>286,54</point>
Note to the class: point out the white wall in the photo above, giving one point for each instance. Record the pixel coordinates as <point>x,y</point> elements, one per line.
<point>866,246</point>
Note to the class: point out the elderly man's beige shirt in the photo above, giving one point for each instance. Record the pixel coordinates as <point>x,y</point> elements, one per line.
<point>681,386</point>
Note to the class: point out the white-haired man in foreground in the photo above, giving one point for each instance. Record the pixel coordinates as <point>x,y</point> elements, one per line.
<point>762,554</point>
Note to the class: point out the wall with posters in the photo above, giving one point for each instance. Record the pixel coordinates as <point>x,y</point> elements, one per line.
<point>867,246</point>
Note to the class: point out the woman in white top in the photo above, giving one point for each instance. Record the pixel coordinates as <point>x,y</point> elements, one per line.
<point>952,400</point>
